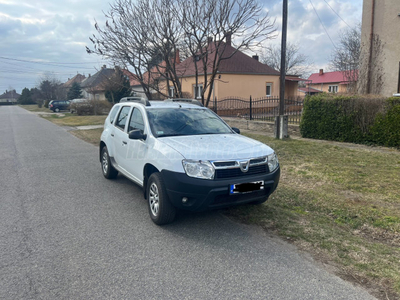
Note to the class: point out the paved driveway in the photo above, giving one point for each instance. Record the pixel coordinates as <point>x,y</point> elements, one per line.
<point>67,233</point>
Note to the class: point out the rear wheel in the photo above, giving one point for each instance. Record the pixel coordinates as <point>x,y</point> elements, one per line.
<point>109,171</point>
<point>57,110</point>
<point>160,208</point>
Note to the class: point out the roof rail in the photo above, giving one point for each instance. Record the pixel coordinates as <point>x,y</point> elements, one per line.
<point>136,99</point>
<point>184,100</point>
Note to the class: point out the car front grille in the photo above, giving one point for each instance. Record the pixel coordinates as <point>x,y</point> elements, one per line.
<point>232,169</point>
<point>236,172</point>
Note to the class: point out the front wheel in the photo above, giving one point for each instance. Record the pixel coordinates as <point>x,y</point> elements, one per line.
<point>109,171</point>
<point>160,208</point>
<point>57,110</point>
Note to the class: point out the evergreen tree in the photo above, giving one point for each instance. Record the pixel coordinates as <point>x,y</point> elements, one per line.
<point>75,91</point>
<point>117,87</point>
<point>25,97</point>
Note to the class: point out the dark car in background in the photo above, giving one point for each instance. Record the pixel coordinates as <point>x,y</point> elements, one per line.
<point>58,105</point>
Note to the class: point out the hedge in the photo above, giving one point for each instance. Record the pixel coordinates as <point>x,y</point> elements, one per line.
<point>354,119</point>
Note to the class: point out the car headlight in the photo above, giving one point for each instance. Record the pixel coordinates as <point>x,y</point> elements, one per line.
<point>273,162</point>
<point>198,168</point>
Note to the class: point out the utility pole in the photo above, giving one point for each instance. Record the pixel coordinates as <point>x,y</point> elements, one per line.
<point>279,122</point>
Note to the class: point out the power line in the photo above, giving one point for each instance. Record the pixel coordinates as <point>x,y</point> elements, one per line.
<point>322,24</point>
<point>338,15</point>
<point>57,64</point>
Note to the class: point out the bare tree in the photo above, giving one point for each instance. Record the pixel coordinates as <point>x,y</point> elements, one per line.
<point>296,63</point>
<point>135,35</point>
<point>210,25</point>
<point>346,56</point>
<point>147,36</point>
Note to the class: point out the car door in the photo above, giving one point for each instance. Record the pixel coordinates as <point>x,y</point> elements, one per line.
<point>120,137</point>
<point>137,149</point>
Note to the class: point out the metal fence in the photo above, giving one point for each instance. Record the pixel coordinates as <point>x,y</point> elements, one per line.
<point>263,109</point>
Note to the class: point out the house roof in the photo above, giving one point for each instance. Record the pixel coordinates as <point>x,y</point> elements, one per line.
<point>132,78</point>
<point>331,77</point>
<point>294,78</point>
<point>77,78</point>
<point>10,95</point>
<point>96,80</point>
<point>309,90</point>
<point>238,63</point>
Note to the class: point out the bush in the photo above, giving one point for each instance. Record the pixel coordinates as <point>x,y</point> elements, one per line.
<point>355,119</point>
<point>386,129</point>
<point>91,107</point>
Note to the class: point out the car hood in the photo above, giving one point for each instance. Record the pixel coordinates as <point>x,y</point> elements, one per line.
<point>217,146</point>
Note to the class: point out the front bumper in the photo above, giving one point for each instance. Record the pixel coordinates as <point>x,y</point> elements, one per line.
<point>206,194</point>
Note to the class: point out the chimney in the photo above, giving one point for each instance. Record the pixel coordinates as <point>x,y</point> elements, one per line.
<point>104,66</point>
<point>229,38</point>
<point>321,72</point>
<point>255,57</point>
<point>209,40</point>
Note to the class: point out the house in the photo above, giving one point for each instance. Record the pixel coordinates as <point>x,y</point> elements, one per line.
<point>239,75</point>
<point>94,87</point>
<point>78,78</point>
<point>9,97</point>
<point>332,82</point>
<point>380,50</point>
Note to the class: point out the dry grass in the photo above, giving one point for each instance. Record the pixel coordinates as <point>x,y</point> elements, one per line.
<point>341,204</point>
<point>35,108</point>
<point>75,120</point>
<point>91,136</point>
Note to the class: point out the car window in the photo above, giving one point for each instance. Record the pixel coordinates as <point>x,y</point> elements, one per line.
<point>136,121</point>
<point>185,121</point>
<point>113,113</point>
<point>122,117</point>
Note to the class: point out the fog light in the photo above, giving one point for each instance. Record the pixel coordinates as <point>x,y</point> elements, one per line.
<point>184,199</point>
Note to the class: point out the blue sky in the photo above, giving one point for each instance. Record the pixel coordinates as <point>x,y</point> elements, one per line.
<point>48,38</point>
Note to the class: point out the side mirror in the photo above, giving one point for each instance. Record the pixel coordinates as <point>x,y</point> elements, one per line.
<point>137,134</point>
<point>237,130</point>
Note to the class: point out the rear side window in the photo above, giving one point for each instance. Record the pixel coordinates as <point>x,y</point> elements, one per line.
<point>122,117</point>
<point>113,113</point>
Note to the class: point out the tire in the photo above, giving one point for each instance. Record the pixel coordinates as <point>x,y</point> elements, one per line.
<point>108,170</point>
<point>160,208</point>
<point>57,110</point>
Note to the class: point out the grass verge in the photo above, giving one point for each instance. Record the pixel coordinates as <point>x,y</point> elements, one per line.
<point>68,119</point>
<point>35,108</point>
<point>340,204</point>
<point>92,136</point>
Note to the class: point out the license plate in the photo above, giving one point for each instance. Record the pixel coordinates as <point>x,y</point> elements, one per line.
<point>246,187</point>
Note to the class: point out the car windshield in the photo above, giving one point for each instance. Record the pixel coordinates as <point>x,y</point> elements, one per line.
<point>185,121</point>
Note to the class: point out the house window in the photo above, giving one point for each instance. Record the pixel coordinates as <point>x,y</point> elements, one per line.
<point>197,91</point>
<point>268,89</point>
<point>333,89</point>
<point>171,92</point>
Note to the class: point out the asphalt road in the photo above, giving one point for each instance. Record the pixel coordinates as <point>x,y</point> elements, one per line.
<point>68,233</point>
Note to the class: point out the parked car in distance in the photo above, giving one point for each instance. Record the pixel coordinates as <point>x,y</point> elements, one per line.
<point>75,104</point>
<point>185,157</point>
<point>58,105</point>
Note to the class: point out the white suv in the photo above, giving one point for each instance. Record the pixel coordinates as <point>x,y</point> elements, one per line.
<point>185,157</point>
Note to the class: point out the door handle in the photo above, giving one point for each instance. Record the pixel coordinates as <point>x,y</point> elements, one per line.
<point>112,134</point>
<point>125,143</point>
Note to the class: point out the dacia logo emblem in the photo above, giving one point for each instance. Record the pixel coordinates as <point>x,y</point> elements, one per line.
<point>244,165</point>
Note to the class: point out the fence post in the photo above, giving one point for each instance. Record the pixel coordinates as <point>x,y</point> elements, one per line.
<point>251,113</point>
